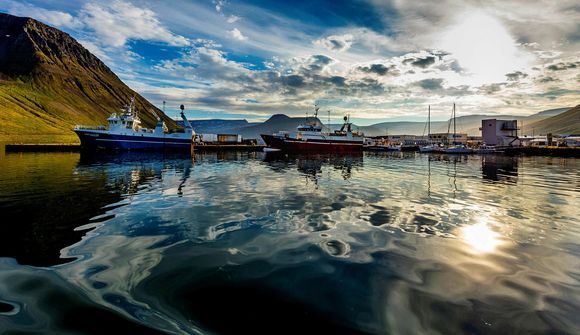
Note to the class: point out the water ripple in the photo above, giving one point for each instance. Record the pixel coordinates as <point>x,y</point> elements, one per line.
<point>244,242</point>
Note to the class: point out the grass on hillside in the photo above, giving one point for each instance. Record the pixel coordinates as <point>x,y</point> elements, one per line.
<point>29,114</point>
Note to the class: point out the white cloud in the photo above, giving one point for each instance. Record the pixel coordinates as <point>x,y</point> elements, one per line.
<point>119,21</point>
<point>233,19</point>
<point>204,64</point>
<point>51,17</point>
<point>219,5</point>
<point>96,50</point>
<point>337,43</point>
<point>237,34</point>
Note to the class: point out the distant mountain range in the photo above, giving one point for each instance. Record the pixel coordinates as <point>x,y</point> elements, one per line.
<point>465,124</point>
<point>216,125</point>
<point>49,82</point>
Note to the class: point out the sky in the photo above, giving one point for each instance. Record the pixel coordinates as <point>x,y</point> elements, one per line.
<point>376,60</point>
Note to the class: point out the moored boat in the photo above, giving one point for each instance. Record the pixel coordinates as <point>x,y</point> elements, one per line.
<point>456,147</point>
<point>311,138</point>
<point>431,147</point>
<point>125,133</point>
<point>487,150</point>
<point>384,147</point>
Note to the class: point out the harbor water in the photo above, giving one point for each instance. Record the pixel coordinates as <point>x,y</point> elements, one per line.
<point>249,243</point>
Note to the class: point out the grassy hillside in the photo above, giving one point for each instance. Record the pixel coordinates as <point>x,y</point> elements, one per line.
<point>564,123</point>
<point>49,83</point>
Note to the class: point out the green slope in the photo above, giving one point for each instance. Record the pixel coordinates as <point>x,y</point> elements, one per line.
<point>565,123</point>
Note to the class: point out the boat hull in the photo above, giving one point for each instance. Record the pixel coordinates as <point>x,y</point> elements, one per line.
<point>106,141</point>
<point>430,149</point>
<point>385,148</point>
<point>311,146</point>
<point>458,151</point>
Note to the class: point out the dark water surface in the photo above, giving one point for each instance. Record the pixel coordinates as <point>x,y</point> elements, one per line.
<point>244,243</point>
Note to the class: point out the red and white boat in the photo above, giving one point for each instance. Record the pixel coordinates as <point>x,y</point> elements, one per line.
<point>311,138</point>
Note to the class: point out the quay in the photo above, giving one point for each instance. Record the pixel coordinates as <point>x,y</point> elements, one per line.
<point>228,147</point>
<point>512,151</point>
<point>544,151</point>
<point>63,147</point>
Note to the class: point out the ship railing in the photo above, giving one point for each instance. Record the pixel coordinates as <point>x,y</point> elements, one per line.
<point>79,126</point>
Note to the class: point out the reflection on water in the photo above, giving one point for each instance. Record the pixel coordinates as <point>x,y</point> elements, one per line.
<point>481,237</point>
<point>311,165</point>
<point>499,168</point>
<point>42,200</point>
<point>254,243</point>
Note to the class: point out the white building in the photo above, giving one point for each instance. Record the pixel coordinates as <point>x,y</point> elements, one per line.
<point>501,133</point>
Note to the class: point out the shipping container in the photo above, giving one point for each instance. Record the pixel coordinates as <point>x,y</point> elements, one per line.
<point>208,138</point>
<point>229,138</point>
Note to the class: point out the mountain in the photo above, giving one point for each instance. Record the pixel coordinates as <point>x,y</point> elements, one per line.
<point>214,126</point>
<point>277,122</point>
<point>49,83</point>
<point>564,123</point>
<point>550,112</point>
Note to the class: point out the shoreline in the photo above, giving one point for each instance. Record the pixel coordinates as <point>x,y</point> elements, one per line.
<point>74,147</point>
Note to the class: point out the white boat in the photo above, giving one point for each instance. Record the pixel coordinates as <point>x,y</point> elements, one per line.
<point>458,149</point>
<point>311,138</point>
<point>125,133</point>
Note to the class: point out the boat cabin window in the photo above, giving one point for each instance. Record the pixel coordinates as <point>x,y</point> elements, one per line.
<point>309,128</point>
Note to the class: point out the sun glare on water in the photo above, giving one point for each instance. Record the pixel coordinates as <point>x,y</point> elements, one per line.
<point>480,237</point>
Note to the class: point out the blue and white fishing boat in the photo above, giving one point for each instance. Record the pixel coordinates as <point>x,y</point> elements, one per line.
<point>125,133</point>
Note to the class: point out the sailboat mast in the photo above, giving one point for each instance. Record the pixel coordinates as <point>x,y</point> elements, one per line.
<point>454,129</point>
<point>429,125</point>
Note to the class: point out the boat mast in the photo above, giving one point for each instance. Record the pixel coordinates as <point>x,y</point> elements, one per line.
<point>454,129</point>
<point>316,108</point>
<point>429,126</point>
<point>133,109</point>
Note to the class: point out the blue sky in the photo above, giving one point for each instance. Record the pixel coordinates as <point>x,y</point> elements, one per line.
<point>376,60</point>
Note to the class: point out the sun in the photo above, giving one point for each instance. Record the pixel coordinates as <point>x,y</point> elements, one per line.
<point>483,46</point>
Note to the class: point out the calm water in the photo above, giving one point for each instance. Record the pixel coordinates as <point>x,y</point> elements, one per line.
<point>247,243</point>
